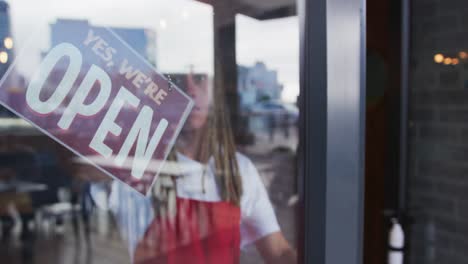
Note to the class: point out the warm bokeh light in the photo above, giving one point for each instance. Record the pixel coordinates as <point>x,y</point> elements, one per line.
<point>455,61</point>
<point>439,58</point>
<point>463,55</point>
<point>3,57</point>
<point>8,42</point>
<point>447,61</point>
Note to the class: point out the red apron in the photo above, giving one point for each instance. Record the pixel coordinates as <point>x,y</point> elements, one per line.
<point>200,233</point>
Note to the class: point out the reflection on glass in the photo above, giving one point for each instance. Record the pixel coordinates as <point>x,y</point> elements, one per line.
<point>3,57</point>
<point>227,191</point>
<point>8,43</point>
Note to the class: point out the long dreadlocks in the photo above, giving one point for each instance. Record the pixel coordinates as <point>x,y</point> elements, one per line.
<point>217,141</point>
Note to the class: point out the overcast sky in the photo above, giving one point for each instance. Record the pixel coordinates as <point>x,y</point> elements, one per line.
<point>184,33</point>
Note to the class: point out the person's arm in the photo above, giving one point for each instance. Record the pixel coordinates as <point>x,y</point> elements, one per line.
<point>274,248</point>
<point>259,225</point>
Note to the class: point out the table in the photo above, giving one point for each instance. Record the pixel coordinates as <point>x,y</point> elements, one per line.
<point>21,187</point>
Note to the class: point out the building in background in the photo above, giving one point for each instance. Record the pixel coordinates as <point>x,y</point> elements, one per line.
<point>260,102</point>
<point>6,40</point>
<point>246,96</point>
<point>16,82</point>
<point>143,41</point>
<point>257,83</point>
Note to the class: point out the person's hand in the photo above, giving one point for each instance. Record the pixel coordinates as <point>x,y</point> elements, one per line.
<point>274,248</point>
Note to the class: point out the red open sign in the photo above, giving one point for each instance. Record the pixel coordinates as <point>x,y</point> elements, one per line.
<point>93,94</point>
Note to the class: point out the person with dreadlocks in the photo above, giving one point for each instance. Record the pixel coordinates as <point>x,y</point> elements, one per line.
<point>213,205</point>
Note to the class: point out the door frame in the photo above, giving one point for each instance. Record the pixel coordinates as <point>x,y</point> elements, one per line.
<point>331,155</point>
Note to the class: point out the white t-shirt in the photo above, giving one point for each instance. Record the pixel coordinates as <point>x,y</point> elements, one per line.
<point>134,212</point>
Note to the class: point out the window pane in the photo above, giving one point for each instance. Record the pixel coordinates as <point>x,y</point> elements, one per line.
<point>149,131</point>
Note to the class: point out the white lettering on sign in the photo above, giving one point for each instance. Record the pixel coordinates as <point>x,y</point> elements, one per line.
<point>100,47</point>
<point>140,79</point>
<point>139,132</point>
<point>108,125</point>
<point>47,65</point>
<point>77,106</point>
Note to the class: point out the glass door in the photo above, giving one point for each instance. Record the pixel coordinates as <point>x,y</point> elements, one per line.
<point>149,131</point>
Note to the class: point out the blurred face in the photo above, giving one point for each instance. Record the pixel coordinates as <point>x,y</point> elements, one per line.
<point>197,89</point>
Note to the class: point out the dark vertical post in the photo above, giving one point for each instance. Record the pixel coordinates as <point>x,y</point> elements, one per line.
<point>333,66</point>
<point>313,127</point>
<point>405,47</point>
<point>225,83</point>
